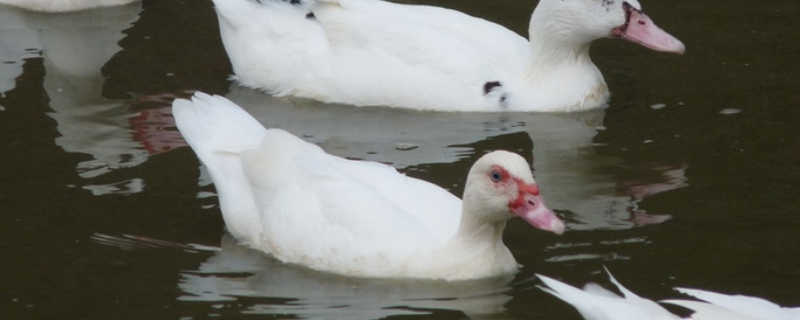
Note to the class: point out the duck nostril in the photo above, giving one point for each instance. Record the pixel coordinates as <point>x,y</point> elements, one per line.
<point>531,202</point>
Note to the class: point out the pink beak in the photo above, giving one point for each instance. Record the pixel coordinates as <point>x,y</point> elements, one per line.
<point>530,206</point>
<point>639,28</point>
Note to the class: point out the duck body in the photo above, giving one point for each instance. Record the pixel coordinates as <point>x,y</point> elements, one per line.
<point>64,5</point>
<point>370,52</point>
<point>287,197</point>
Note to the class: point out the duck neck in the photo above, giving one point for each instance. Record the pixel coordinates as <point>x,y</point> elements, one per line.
<point>479,247</point>
<point>475,233</point>
<point>554,45</point>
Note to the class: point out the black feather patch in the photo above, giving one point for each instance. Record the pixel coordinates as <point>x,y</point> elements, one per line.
<point>495,88</point>
<point>487,87</point>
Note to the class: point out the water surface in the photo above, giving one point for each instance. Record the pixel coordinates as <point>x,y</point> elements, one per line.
<point>689,178</point>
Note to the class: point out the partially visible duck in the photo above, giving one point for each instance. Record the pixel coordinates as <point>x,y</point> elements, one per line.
<point>597,303</point>
<point>287,197</point>
<point>733,307</point>
<point>64,5</point>
<point>370,52</point>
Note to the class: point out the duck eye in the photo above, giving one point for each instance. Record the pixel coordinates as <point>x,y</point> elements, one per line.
<point>496,176</point>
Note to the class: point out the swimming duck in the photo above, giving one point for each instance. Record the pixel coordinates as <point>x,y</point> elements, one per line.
<point>377,53</point>
<point>292,200</point>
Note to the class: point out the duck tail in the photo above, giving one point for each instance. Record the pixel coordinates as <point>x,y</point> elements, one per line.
<point>213,124</point>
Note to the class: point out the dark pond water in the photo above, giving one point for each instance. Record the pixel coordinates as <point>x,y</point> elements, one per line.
<point>690,178</point>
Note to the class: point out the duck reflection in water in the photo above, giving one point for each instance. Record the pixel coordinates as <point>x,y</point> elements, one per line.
<point>236,273</point>
<point>262,285</point>
<point>73,49</point>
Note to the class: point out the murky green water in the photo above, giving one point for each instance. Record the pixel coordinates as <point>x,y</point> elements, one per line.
<point>690,178</point>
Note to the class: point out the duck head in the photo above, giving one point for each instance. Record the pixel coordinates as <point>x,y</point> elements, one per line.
<point>583,21</point>
<point>500,185</point>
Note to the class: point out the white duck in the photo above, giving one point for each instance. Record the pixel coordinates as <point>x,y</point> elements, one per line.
<point>370,52</point>
<point>597,303</point>
<point>64,5</point>
<point>289,198</point>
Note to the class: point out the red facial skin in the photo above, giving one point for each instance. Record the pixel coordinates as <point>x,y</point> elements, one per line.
<point>528,203</point>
